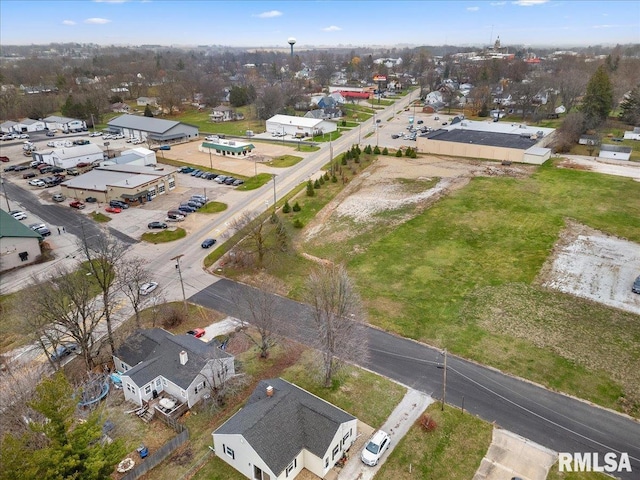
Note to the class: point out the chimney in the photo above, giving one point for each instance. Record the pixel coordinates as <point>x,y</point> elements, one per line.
<point>269,391</point>
<point>183,358</point>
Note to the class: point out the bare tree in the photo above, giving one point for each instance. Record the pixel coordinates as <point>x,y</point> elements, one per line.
<point>256,233</point>
<point>337,316</point>
<point>102,254</point>
<point>260,304</point>
<point>132,274</point>
<point>65,303</point>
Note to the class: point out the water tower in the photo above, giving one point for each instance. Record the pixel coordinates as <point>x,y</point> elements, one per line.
<point>292,42</point>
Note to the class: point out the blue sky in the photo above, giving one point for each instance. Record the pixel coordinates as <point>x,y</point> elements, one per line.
<point>319,23</point>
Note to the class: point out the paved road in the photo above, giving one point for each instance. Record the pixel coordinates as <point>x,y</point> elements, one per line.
<point>555,421</point>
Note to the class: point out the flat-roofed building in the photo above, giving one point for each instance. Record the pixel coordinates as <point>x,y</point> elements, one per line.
<point>299,126</point>
<point>153,130</point>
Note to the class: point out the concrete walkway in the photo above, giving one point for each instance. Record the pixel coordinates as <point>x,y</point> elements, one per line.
<point>397,425</point>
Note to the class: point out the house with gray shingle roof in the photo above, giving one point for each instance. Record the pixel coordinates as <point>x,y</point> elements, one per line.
<point>19,245</point>
<point>283,429</point>
<point>153,361</point>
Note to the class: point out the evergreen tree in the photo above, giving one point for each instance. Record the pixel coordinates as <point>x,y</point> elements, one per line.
<point>385,151</point>
<point>630,107</point>
<point>399,153</point>
<point>147,111</point>
<point>598,100</point>
<point>296,207</point>
<point>316,184</point>
<point>286,208</point>
<point>310,191</point>
<point>376,150</point>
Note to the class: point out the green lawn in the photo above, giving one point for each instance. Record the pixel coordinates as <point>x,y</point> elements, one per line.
<point>284,161</point>
<point>100,217</point>
<point>554,474</point>
<point>164,236</point>
<point>213,207</point>
<point>453,451</point>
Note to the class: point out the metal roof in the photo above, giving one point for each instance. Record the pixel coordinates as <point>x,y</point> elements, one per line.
<point>505,140</point>
<point>144,124</point>
<point>295,121</point>
<point>10,227</point>
<point>77,151</point>
<point>237,147</point>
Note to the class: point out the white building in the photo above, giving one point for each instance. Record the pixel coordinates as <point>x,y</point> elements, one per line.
<point>632,135</point>
<point>19,245</point>
<point>299,126</point>
<point>71,156</point>
<point>55,122</point>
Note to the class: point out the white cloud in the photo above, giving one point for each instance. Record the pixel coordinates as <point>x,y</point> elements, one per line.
<point>529,3</point>
<point>497,4</point>
<point>473,9</point>
<point>68,22</point>
<point>332,28</point>
<point>97,21</point>
<point>269,14</point>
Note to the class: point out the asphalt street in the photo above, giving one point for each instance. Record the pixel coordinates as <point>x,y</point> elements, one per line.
<point>556,421</point>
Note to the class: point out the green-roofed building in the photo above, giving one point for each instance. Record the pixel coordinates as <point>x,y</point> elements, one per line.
<point>19,245</point>
<point>227,147</point>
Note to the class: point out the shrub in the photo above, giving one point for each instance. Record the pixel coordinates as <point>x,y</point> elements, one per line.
<point>296,207</point>
<point>385,151</point>
<point>286,208</point>
<point>310,192</point>
<point>399,153</point>
<point>172,316</point>
<point>316,184</point>
<point>326,175</point>
<point>427,423</point>
<point>376,150</point>
<point>321,180</point>
<point>297,223</point>
<point>334,179</point>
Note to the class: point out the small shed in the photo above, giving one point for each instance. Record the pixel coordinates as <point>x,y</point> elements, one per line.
<point>616,152</point>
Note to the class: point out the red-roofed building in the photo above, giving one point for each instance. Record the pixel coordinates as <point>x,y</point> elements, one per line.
<point>355,95</point>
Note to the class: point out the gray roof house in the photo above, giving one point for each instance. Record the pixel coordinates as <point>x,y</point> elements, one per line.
<point>152,362</point>
<point>283,429</point>
<point>153,129</point>
<point>19,245</point>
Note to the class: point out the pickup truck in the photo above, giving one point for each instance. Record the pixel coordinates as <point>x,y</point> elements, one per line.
<point>77,204</point>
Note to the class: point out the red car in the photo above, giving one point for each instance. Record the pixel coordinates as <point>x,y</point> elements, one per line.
<point>4,159</point>
<point>197,332</point>
<point>113,210</point>
<point>76,204</point>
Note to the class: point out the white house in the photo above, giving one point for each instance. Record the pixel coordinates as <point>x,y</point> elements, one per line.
<point>55,122</point>
<point>71,156</point>
<point>19,245</point>
<point>299,126</point>
<point>143,101</point>
<point>153,361</point>
<point>283,429</point>
<point>632,135</point>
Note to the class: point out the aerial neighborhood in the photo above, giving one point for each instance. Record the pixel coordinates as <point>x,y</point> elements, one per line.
<point>312,262</point>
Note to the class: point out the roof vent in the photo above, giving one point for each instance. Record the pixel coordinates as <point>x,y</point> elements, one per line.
<point>183,358</point>
<point>269,391</point>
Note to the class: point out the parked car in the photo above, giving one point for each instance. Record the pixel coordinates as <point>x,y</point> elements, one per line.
<point>164,147</point>
<point>200,198</point>
<point>119,204</point>
<point>77,204</point>
<point>91,199</point>
<point>208,242</point>
<point>51,134</point>
<point>73,171</point>
<point>21,168</point>
<point>636,285</point>
<point>95,134</point>
<point>420,122</point>
<point>237,183</point>
<point>113,209</point>
<point>58,197</point>
<point>229,180</point>
<point>147,288</point>
<point>157,225</point>
<point>64,350</point>
<point>36,182</point>
<point>220,178</point>
<point>186,169</point>
<point>4,158</point>
<point>186,209</point>
<point>375,447</point>
<point>197,332</point>
<point>28,175</point>
<point>175,218</point>
<point>10,168</point>
<point>45,232</point>
<point>18,214</point>
<point>195,172</point>
<point>175,213</point>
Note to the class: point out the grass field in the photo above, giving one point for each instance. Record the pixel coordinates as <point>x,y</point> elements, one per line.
<point>452,451</point>
<point>164,236</point>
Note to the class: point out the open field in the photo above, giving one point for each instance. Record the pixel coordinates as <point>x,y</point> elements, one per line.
<point>458,254</point>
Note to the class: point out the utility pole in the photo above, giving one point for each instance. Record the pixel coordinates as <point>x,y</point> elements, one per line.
<point>444,380</point>
<point>184,297</point>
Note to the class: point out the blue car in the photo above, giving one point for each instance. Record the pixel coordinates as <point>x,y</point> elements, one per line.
<point>209,242</point>
<point>165,147</point>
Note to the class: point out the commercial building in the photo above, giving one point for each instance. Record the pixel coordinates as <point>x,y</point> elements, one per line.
<point>133,184</point>
<point>135,156</point>
<point>71,156</point>
<point>19,245</point>
<point>55,122</point>
<point>226,147</point>
<point>299,126</point>
<point>489,140</point>
<point>153,130</point>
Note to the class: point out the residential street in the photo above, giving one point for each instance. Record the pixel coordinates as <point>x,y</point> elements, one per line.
<point>556,421</point>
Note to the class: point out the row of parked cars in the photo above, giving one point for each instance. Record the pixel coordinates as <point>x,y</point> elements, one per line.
<point>222,179</point>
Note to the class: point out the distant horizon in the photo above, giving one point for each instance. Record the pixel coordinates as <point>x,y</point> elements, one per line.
<point>321,23</point>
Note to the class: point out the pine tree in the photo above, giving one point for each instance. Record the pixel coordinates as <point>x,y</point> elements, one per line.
<point>376,150</point>
<point>296,207</point>
<point>399,153</point>
<point>310,191</point>
<point>385,151</point>
<point>630,107</point>
<point>598,100</point>
<point>147,111</point>
<point>286,208</point>
<point>316,184</point>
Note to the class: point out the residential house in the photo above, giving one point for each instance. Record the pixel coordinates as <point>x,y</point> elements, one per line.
<point>283,429</point>
<point>19,245</point>
<point>119,107</point>
<point>144,101</point>
<point>324,113</point>
<point>152,362</point>
<point>589,140</point>
<point>222,113</point>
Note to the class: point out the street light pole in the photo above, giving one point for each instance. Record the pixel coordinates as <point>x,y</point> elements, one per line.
<point>210,161</point>
<point>184,297</point>
<point>274,194</point>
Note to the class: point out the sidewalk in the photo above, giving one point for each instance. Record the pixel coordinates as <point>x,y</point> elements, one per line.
<point>397,425</point>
